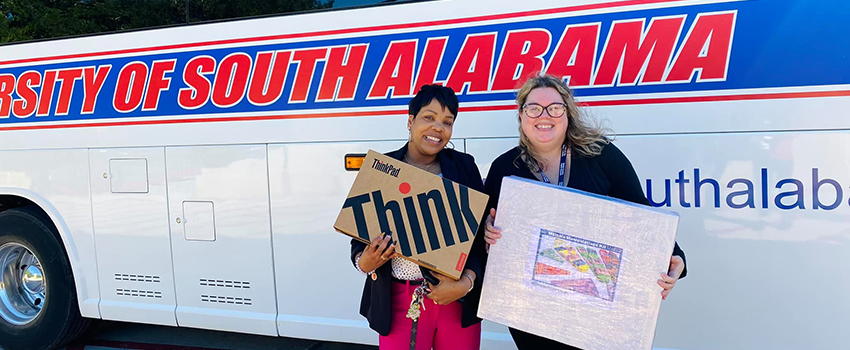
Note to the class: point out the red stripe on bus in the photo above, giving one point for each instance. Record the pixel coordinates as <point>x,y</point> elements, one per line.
<point>346,31</point>
<point>767,96</point>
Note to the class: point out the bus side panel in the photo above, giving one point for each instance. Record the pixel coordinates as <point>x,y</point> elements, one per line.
<point>318,289</point>
<point>221,238</point>
<point>58,182</point>
<point>767,256</point>
<point>130,209</point>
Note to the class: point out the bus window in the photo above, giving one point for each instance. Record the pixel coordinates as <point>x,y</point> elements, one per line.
<point>351,3</point>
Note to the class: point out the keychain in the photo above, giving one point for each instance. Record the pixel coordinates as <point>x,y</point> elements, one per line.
<point>414,312</point>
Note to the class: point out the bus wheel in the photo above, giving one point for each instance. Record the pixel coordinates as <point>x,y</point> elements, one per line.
<point>38,302</point>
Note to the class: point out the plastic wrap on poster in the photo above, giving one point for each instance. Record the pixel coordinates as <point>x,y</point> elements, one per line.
<point>575,267</point>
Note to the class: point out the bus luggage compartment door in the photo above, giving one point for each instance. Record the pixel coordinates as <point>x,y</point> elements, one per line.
<point>130,211</point>
<point>221,238</point>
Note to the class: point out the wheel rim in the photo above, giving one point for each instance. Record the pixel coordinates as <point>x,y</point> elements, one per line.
<point>23,286</point>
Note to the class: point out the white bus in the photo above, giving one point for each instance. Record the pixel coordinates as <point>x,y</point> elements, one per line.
<point>190,176</point>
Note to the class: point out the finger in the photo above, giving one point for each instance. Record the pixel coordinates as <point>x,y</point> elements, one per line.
<point>374,243</point>
<point>489,225</point>
<point>489,241</point>
<point>384,243</point>
<point>389,248</point>
<point>387,254</point>
<point>493,230</point>
<point>665,285</point>
<point>487,247</point>
<point>492,234</point>
<point>493,213</point>
<point>440,277</point>
<point>667,278</point>
<point>665,293</point>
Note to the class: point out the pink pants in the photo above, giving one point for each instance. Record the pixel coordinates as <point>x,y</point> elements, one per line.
<point>439,325</point>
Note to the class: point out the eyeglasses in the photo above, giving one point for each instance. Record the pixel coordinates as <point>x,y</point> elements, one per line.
<point>555,110</point>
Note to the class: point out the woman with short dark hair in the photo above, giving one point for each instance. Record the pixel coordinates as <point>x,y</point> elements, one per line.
<point>444,323</point>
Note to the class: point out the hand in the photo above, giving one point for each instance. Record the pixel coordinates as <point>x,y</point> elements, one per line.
<point>377,253</point>
<point>449,290</point>
<point>491,233</point>
<point>668,281</point>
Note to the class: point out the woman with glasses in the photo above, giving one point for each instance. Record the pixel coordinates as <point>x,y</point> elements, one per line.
<point>559,145</point>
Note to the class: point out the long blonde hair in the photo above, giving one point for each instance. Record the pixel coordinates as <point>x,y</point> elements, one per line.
<point>584,134</point>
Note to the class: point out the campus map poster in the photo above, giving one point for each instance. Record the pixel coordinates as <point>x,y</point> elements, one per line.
<point>572,264</point>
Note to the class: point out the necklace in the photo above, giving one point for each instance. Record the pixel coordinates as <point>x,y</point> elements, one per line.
<point>427,168</point>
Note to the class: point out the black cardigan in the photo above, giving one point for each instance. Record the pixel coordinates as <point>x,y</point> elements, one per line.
<point>375,303</point>
<point>609,174</point>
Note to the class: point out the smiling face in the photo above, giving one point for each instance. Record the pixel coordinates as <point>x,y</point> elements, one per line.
<point>544,132</point>
<point>430,129</point>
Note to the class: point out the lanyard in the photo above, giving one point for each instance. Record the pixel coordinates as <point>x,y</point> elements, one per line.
<point>561,173</point>
<point>413,313</point>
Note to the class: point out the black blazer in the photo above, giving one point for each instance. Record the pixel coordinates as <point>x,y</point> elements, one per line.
<point>375,303</point>
<point>609,174</point>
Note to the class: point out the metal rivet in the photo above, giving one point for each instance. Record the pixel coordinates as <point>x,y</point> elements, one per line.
<point>105,175</point>
<point>178,220</point>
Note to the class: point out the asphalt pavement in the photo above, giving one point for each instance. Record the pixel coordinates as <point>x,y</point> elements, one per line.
<point>118,335</point>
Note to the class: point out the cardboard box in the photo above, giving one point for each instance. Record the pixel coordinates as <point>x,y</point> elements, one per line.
<point>576,267</point>
<point>433,220</point>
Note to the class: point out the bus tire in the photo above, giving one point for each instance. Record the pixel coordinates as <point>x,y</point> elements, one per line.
<point>38,303</point>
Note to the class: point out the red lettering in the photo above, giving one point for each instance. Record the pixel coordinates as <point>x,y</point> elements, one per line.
<point>67,78</point>
<point>306,67</point>
<point>706,49</point>
<point>343,71</point>
<point>522,54</point>
<point>632,52</point>
<point>7,87</point>
<point>130,87</point>
<point>197,93</point>
<point>575,55</point>
<point>157,83</point>
<point>396,71</point>
<point>92,84</point>
<point>267,80</point>
<point>474,64</point>
<point>231,80</point>
<point>45,97</point>
<point>25,106</point>
<point>430,65</point>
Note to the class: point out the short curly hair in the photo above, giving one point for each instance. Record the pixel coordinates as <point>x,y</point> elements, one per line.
<point>428,93</point>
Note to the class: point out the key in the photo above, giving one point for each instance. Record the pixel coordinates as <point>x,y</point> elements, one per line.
<point>414,311</point>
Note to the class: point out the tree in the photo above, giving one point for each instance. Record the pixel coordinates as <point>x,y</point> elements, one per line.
<point>22,20</point>
<point>205,10</point>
